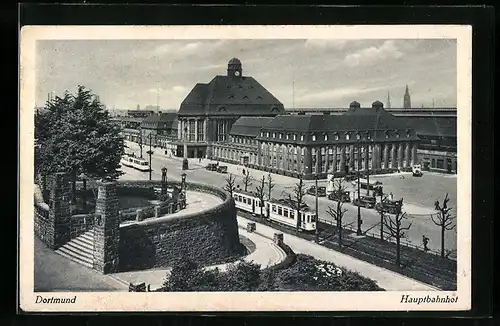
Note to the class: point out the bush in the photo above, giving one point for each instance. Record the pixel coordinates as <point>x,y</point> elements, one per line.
<point>146,192</point>
<point>306,274</point>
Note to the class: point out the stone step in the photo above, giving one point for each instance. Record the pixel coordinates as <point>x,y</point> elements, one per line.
<point>81,245</point>
<point>84,254</point>
<point>85,263</point>
<point>75,255</point>
<point>86,238</point>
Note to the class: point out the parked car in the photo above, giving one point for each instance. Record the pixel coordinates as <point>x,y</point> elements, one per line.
<point>222,169</point>
<point>417,170</point>
<point>211,167</point>
<point>364,201</point>
<point>321,191</point>
<point>390,206</point>
<point>340,196</point>
<point>350,177</point>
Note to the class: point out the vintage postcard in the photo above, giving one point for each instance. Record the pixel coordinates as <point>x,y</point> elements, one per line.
<point>245,168</point>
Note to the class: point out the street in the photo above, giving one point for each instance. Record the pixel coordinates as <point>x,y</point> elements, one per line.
<point>421,224</point>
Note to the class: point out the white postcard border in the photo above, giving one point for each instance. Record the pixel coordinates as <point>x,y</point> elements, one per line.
<point>248,301</point>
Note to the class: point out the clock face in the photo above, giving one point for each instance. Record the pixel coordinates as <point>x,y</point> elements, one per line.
<point>236,73</point>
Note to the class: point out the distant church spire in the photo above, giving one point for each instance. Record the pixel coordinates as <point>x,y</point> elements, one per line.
<point>406,99</point>
<point>388,104</point>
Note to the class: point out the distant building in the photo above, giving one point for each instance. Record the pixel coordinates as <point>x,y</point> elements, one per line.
<point>313,145</point>
<point>209,111</point>
<point>407,99</point>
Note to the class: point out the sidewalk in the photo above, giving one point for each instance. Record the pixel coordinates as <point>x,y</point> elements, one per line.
<point>386,279</point>
<point>56,273</point>
<point>266,254</point>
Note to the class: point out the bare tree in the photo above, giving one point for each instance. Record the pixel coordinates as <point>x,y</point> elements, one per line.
<point>395,229</point>
<point>297,200</point>
<point>338,211</point>
<point>443,219</point>
<point>270,186</point>
<point>230,184</point>
<point>380,208</point>
<point>247,179</point>
<point>260,193</point>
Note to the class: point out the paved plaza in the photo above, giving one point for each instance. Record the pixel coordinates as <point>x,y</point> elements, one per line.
<point>419,194</point>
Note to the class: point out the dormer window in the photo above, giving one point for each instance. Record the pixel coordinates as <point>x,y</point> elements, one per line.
<point>397,134</point>
<point>386,134</point>
<point>347,136</point>
<point>287,136</point>
<point>245,97</point>
<point>358,136</point>
<point>336,136</point>
<point>262,134</point>
<point>408,133</point>
<point>301,137</point>
<point>231,97</point>
<point>281,135</point>
<point>274,109</point>
<point>368,136</point>
<point>294,137</point>
<point>267,134</point>
<point>314,137</point>
<point>326,137</point>
<point>274,135</point>
<point>259,97</point>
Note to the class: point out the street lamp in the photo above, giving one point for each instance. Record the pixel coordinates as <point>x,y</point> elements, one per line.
<point>316,184</point>
<point>150,152</point>
<point>164,180</point>
<point>358,231</point>
<point>185,164</point>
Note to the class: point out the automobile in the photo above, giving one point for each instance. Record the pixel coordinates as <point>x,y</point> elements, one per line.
<point>417,170</point>
<point>211,167</point>
<point>222,169</point>
<point>340,196</point>
<point>389,206</point>
<point>350,177</point>
<point>364,201</point>
<point>321,191</point>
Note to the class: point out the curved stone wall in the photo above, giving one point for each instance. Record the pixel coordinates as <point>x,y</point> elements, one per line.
<point>210,236</point>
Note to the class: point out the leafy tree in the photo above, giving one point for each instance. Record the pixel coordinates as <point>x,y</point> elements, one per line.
<point>338,211</point>
<point>76,135</point>
<point>297,200</point>
<point>260,193</point>
<point>230,184</point>
<point>247,179</point>
<point>184,276</point>
<point>396,230</point>
<point>443,219</point>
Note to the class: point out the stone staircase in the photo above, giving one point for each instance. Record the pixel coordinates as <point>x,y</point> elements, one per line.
<point>80,249</point>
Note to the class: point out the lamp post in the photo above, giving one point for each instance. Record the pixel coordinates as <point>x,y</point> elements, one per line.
<point>164,180</point>
<point>185,164</point>
<point>183,187</point>
<point>316,230</point>
<point>150,152</point>
<point>358,231</point>
<point>140,140</point>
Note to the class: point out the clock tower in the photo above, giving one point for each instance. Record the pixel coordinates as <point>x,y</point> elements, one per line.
<point>234,68</point>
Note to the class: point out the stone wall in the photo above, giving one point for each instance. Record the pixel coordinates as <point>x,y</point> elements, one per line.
<point>81,223</point>
<point>209,237</point>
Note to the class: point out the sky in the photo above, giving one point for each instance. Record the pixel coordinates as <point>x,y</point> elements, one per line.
<point>301,73</point>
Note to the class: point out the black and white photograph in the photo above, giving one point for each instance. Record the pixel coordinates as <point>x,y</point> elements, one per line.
<point>245,168</point>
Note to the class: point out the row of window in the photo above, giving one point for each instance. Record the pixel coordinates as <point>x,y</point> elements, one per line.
<point>290,213</point>
<point>244,140</point>
<point>367,136</point>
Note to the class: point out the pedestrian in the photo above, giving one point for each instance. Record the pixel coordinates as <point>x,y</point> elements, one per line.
<point>392,196</point>
<point>199,160</point>
<point>425,241</point>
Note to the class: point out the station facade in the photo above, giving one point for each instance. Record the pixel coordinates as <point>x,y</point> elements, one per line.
<point>314,145</point>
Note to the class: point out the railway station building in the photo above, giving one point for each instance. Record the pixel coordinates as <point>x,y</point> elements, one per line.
<point>314,145</point>
<point>210,110</point>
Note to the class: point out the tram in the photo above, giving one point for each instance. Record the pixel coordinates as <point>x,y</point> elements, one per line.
<point>135,162</point>
<point>280,211</point>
